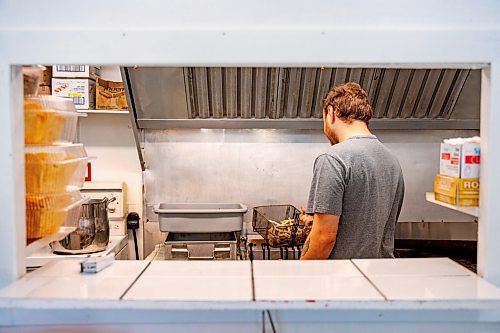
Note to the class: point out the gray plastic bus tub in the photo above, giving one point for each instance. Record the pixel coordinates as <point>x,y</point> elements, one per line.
<point>200,217</point>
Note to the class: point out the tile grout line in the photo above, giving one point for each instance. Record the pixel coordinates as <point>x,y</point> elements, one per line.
<point>253,281</point>
<point>371,282</point>
<point>137,278</point>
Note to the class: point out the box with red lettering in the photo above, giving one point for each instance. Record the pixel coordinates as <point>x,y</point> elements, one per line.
<point>460,160</point>
<point>81,91</point>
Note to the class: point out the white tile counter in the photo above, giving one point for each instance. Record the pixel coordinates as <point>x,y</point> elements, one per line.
<point>411,266</point>
<point>425,279</point>
<point>311,281</point>
<point>63,280</point>
<point>429,288</point>
<point>194,281</point>
<point>436,289</point>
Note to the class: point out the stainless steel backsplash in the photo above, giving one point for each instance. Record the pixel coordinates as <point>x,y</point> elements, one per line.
<point>260,167</point>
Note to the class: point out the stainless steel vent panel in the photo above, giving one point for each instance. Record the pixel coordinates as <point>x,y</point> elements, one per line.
<point>269,94</point>
<point>277,93</point>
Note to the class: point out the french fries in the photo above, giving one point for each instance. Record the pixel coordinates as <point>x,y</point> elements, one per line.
<point>285,232</point>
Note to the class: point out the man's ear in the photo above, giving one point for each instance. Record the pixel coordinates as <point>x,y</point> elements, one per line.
<point>331,113</point>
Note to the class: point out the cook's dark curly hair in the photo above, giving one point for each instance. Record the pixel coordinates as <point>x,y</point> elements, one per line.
<point>350,102</point>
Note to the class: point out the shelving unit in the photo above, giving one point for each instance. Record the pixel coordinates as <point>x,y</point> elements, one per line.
<point>474,211</point>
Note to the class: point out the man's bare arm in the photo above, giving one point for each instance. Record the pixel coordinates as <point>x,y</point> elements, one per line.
<point>322,237</point>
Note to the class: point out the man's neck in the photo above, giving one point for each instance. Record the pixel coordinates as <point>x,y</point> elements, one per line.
<point>353,129</point>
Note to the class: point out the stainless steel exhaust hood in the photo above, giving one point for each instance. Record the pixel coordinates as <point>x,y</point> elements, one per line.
<point>162,98</point>
<point>215,97</point>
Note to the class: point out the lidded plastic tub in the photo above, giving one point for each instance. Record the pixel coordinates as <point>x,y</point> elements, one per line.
<point>200,217</point>
<point>46,213</point>
<point>50,169</point>
<point>53,200</point>
<point>48,120</point>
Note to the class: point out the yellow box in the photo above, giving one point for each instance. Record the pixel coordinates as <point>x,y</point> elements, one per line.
<point>462,192</point>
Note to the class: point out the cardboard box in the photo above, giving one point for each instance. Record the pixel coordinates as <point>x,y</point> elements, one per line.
<point>460,160</point>
<point>461,192</point>
<point>76,71</point>
<point>47,77</point>
<point>110,95</point>
<point>82,91</point>
<point>44,90</point>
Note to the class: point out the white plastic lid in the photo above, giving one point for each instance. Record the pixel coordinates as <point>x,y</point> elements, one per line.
<point>72,151</point>
<point>50,102</point>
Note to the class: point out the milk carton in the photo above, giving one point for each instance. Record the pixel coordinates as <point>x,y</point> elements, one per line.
<point>460,159</point>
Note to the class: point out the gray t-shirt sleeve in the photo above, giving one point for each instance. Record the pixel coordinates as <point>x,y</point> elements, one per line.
<point>327,186</point>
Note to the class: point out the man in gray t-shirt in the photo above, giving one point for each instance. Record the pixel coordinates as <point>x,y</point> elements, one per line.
<point>357,187</point>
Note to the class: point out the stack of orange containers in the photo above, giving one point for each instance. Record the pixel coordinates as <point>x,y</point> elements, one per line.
<point>54,165</point>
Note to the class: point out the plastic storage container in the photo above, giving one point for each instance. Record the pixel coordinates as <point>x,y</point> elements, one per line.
<point>279,225</point>
<point>53,200</point>
<point>50,215</point>
<point>49,119</point>
<point>200,217</point>
<point>50,169</point>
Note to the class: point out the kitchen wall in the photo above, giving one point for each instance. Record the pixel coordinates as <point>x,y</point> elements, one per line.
<point>110,143</point>
<point>261,167</point>
<point>251,166</point>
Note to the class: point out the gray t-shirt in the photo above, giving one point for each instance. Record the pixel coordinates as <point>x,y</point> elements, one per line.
<point>360,180</point>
